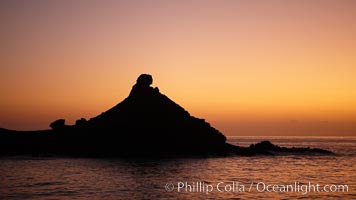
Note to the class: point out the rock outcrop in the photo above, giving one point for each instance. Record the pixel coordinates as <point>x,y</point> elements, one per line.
<point>58,124</point>
<point>146,123</point>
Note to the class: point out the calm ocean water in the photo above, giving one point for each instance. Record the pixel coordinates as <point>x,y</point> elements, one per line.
<point>189,178</point>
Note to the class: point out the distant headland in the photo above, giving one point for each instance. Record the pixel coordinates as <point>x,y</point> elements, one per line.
<point>146,123</point>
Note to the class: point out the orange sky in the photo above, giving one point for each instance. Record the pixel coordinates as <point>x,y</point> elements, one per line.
<point>248,67</point>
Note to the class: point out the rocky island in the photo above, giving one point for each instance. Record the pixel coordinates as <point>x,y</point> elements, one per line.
<point>146,123</point>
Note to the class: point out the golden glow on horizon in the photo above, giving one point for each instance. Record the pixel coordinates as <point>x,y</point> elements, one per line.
<point>248,67</point>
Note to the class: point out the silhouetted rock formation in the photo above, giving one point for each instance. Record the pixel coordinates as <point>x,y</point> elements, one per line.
<point>142,87</point>
<point>267,148</point>
<point>58,124</point>
<point>148,121</point>
<point>145,123</point>
<point>80,122</point>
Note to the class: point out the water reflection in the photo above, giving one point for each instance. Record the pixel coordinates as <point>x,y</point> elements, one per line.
<point>139,178</point>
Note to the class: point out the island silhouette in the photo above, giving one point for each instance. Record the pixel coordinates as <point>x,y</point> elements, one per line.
<point>146,123</point>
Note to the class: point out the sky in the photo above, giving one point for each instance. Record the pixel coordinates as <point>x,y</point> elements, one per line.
<point>248,67</point>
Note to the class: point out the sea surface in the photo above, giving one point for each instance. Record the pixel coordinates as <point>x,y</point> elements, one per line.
<point>235,177</point>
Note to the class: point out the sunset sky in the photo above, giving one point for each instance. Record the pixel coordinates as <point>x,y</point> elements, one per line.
<point>249,67</point>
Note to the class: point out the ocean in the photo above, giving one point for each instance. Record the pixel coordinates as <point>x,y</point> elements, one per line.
<point>233,177</point>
